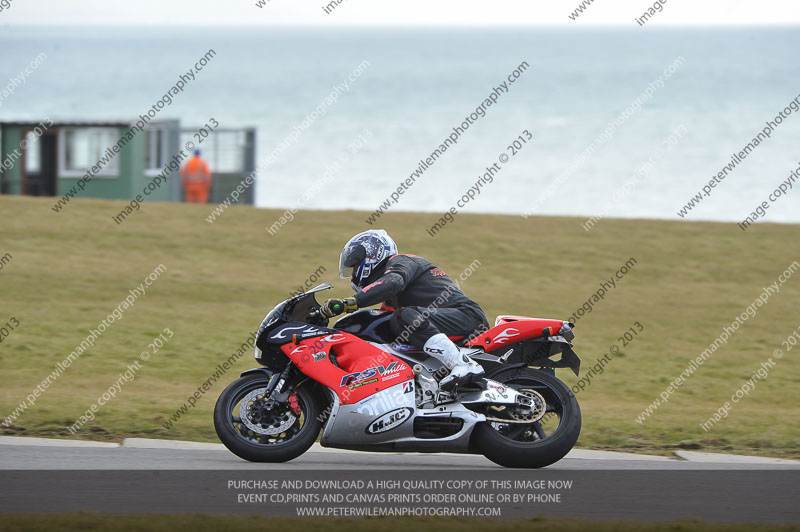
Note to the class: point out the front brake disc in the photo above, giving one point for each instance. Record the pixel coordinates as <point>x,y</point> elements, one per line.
<point>273,423</point>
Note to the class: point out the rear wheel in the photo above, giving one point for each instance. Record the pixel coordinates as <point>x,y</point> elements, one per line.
<point>253,429</point>
<point>531,437</point>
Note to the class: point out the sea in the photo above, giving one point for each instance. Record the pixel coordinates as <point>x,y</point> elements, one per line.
<point>603,122</point>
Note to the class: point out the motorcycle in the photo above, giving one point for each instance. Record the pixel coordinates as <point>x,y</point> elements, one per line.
<point>364,392</point>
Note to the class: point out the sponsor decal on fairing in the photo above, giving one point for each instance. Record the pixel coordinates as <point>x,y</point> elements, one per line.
<point>389,420</point>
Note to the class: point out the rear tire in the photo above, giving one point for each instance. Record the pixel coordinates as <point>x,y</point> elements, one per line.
<point>541,452</point>
<point>244,443</point>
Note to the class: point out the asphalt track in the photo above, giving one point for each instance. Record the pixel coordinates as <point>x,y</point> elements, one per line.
<point>138,454</point>
<point>154,477</point>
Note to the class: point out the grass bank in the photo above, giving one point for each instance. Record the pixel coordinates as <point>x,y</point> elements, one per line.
<point>69,270</point>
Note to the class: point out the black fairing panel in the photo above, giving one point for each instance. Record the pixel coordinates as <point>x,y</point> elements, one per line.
<point>371,325</point>
<point>272,338</point>
<point>283,333</point>
<point>538,352</point>
<point>286,320</point>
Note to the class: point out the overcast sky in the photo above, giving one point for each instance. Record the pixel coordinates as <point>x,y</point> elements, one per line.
<point>428,12</point>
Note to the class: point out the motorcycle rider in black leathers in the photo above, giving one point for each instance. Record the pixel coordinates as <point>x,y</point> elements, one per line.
<point>428,306</point>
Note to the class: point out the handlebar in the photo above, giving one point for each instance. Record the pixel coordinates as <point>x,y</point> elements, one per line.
<point>316,317</point>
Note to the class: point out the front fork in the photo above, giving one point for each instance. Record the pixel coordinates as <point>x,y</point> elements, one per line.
<point>278,391</point>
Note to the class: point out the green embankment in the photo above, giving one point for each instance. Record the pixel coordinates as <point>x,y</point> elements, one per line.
<point>69,270</point>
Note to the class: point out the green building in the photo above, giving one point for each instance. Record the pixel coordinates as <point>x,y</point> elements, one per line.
<point>50,158</point>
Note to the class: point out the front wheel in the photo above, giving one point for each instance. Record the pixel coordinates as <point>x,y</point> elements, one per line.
<point>256,431</point>
<point>535,437</point>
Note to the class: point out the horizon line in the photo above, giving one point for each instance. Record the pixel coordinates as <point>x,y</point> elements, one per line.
<point>559,25</point>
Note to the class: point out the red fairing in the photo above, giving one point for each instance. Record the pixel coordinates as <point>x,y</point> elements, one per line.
<point>364,370</point>
<point>512,329</point>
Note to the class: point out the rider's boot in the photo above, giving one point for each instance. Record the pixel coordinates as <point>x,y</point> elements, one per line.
<point>462,368</point>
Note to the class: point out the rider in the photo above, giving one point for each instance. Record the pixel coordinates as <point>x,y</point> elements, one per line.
<point>428,306</point>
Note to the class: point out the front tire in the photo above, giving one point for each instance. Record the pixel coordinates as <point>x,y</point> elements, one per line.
<point>529,446</point>
<point>259,434</point>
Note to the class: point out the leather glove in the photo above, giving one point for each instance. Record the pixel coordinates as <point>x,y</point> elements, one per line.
<point>334,307</point>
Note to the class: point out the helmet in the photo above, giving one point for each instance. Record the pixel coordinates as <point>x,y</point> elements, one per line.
<point>363,253</point>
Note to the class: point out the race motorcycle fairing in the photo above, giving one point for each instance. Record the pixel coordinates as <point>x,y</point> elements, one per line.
<point>364,392</point>
<point>367,369</point>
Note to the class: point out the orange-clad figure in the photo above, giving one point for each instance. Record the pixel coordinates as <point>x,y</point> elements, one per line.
<point>196,179</point>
